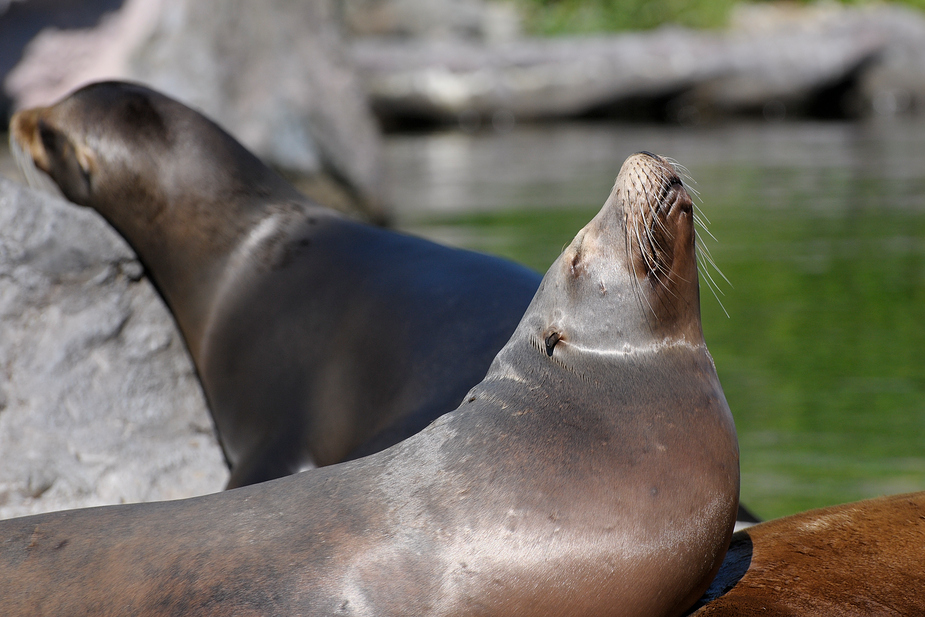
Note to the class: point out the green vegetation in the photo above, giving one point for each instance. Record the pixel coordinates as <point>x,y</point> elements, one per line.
<point>551,17</point>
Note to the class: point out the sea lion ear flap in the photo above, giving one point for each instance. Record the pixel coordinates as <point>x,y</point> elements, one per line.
<point>86,160</point>
<point>551,337</point>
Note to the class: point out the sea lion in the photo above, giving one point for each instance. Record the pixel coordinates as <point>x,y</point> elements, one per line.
<point>594,471</point>
<point>317,338</point>
<point>863,558</point>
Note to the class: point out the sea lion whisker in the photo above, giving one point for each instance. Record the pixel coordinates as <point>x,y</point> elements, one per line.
<point>679,277</point>
<point>665,301</point>
<point>704,251</point>
<point>701,254</point>
<point>651,250</point>
<point>702,216</point>
<point>664,283</point>
<point>664,185</point>
<point>652,244</point>
<point>657,221</point>
<point>644,247</point>
<point>712,285</point>
<point>674,163</point>
<point>654,209</point>
<point>689,183</point>
<point>706,272</point>
<point>705,259</point>
<point>681,170</point>
<point>641,298</point>
<point>653,214</point>
<point>698,221</point>
<point>664,178</point>
<point>685,178</point>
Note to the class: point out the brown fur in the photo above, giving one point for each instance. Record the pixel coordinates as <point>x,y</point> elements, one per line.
<point>864,558</point>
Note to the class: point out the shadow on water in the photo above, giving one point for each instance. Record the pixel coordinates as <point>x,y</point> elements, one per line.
<point>820,227</point>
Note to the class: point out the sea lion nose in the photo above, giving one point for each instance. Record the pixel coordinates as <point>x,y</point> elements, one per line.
<point>654,156</point>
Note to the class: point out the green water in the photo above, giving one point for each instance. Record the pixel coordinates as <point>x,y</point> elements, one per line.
<point>820,229</point>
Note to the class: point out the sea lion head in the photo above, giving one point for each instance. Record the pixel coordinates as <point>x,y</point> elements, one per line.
<point>629,279</point>
<point>178,188</point>
<point>131,154</point>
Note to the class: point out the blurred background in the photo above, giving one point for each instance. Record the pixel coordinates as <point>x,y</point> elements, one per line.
<point>500,126</point>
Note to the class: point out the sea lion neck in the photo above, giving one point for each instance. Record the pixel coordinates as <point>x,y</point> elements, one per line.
<point>206,223</point>
<point>176,186</point>
<point>628,281</point>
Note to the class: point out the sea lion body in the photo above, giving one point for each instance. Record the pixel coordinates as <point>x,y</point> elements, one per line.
<point>316,338</point>
<point>862,558</point>
<point>367,360</point>
<point>594,471</point>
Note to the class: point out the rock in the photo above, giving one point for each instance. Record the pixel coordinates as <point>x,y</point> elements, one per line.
<point>774,60</point>
<point>432,19</point>
<point>780,71</point>
<point>530,78</point>
<point>22,20</point>
<point>894,82</point>
<point>273,71</point>
<point>274,74</point>
<point>99,402</point>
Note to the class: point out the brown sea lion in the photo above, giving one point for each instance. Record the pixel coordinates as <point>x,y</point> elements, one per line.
<point>864,558</point>
<point>317,338</point>
<point>594,471</point>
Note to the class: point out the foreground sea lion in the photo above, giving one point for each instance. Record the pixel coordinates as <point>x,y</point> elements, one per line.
<point>594,471</point>
<point>864,558</point>
<point>317,338</point>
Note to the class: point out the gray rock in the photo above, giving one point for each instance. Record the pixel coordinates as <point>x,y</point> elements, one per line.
<point>21,20</point>
<point>99,402</point>
<point>894,82</point>
<point>273,73</point>
<point>431,19</point>
<point>530,78</point>
<point>773,60</point>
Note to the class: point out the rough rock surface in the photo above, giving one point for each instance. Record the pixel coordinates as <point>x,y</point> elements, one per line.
<point>99,402</point>
<point>529,78</point>
<point>431,19</point>
<point>273,73</point>
<point>894,82</point>
<point>22,20</point>
<point>776,61</point>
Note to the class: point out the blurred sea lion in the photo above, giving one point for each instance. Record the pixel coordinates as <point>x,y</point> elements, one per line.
<point>317,338</point>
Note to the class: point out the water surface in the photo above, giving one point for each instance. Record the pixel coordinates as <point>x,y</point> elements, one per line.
<point>820,228</point>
